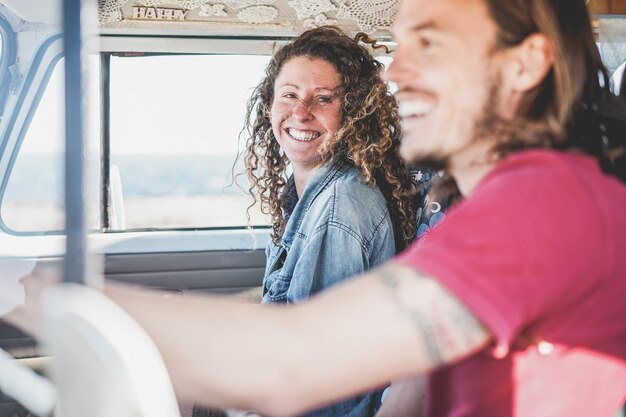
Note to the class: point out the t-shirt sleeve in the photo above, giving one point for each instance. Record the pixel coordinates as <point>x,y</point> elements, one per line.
<point>514,249</point>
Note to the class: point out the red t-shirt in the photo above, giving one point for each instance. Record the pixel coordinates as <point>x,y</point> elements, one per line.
<point>538,253</point>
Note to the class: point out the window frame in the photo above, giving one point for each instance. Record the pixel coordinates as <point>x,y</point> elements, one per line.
<point>154,45</point>
<point>37,80</point>
<point>144,45</point>
<point>7,59</point>
<point>34,85</point>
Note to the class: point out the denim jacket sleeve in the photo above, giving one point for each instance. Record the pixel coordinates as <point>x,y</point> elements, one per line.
<point>329,256</point>
<point>333,254</point>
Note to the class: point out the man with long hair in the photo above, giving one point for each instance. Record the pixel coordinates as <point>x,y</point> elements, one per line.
<point>514,306</point>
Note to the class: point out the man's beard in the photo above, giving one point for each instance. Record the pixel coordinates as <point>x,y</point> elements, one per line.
<point>486,127</point>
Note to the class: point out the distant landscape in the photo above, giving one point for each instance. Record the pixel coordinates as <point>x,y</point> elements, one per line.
<point>38,177</point>
<point>165,191</point>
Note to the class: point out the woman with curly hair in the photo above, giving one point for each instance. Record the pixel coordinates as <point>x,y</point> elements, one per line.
<point>348,205</point>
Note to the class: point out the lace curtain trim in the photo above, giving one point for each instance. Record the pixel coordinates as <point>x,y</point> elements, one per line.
<point>369,15</point>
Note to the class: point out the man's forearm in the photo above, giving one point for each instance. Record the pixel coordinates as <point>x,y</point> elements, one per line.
<point>389,324</point>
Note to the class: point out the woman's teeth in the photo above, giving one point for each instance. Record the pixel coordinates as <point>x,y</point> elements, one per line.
<point>303,135</point>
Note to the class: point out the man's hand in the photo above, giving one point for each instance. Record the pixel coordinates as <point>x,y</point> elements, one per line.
<point>12,292</point>
<point>252,295</point>
<point>21,285</point>
<point>404,399</point>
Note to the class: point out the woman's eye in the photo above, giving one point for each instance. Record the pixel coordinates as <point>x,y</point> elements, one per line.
<point>289,95</point>
<point>324,99</point>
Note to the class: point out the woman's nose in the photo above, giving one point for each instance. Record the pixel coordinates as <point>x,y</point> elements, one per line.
<point>302,109</point>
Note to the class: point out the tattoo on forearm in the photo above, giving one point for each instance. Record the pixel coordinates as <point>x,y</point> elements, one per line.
<point>445,325</point>
<point>420,321</point>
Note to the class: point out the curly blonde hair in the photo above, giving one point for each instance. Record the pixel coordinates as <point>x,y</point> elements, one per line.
<point>368,138</point>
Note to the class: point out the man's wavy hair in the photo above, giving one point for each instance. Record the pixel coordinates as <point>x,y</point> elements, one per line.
<point>573,108</point>
<point>368,137</point>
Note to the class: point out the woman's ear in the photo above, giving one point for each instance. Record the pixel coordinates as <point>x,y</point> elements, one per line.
<point>532,60</point>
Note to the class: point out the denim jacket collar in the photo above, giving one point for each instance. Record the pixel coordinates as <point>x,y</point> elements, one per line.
<point>293,206</point>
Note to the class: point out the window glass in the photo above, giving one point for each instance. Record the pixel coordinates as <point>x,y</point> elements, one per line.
<point>33,200</point>
<point>386,61</point>
<point>617,80</point>
<point>175,125</point>
<point>612,45</point>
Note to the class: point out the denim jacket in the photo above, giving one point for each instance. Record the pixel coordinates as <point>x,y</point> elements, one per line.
<point>339,227</point>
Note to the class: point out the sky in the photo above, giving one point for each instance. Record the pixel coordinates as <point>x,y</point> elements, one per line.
<point>160,104</point>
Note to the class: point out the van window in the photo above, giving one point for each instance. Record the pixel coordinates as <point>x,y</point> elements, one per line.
<point>5,50</point>
<point>175,123</point>
<point>175,132</point>
<point>33,200</point>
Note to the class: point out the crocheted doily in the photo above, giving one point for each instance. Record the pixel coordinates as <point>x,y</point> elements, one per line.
<point>277,16</point>
<point>370,15</point>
